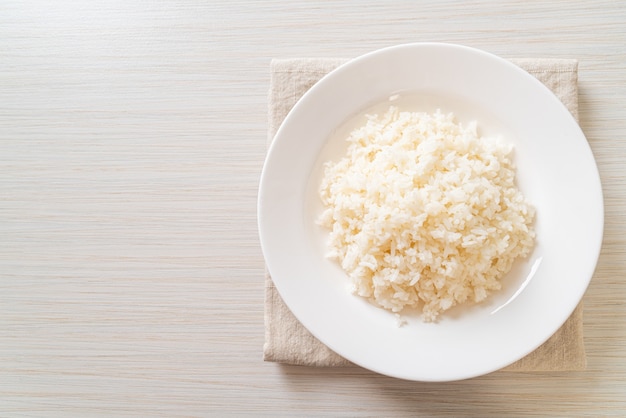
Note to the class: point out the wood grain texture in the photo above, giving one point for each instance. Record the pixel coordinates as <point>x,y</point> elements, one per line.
<point>132,135</point>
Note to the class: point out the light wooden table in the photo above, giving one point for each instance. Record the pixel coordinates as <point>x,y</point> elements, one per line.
<point>132,136</point>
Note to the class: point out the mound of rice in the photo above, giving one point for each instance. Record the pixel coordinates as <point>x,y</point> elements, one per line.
<point>424,213</point>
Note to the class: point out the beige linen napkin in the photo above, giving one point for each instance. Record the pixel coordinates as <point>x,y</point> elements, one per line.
<point>287,341</point>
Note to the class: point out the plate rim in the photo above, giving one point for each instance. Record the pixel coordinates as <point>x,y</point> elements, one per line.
<point>356,62</point>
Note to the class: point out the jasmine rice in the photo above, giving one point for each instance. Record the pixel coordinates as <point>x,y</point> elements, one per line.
<point>424,213</point>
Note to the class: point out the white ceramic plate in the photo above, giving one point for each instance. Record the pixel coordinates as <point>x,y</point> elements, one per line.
<point>556,172</point>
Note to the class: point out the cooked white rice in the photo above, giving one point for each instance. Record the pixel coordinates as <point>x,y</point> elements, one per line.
<point>424,213</point>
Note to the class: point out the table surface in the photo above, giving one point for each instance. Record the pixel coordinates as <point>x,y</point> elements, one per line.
<point>132,135</point>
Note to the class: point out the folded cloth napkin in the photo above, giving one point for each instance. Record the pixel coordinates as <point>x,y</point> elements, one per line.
<point>286,339</point>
